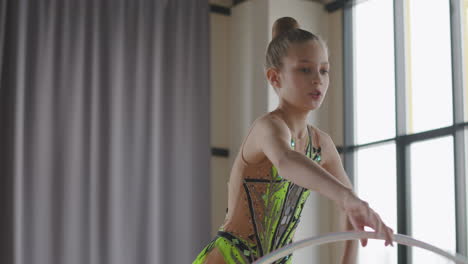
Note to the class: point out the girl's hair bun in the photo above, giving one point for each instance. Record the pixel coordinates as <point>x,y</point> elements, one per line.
<point>284,24</point>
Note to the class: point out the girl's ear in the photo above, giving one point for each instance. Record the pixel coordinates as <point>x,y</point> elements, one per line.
<point>273,77</point>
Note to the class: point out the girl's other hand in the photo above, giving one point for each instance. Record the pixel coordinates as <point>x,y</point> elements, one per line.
<point>361,215</point>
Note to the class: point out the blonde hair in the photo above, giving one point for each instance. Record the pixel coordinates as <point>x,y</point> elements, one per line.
<point>286,31</point>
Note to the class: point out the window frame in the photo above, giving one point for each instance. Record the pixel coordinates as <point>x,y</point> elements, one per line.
<point>402,139</point>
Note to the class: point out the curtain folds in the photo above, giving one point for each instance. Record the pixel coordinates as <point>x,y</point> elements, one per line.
<point>105,140</point>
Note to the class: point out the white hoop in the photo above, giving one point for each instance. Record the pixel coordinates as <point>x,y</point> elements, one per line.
<point>342,236</point>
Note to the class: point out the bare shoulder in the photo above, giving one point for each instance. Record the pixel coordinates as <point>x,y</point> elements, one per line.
<point>319,137</point>
<point>268,137</point>
<point>325,142</point>
<point>272,124</point>
<point>331,158</point>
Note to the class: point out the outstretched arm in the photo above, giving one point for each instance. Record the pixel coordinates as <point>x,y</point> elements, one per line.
<point>273,140</point>
<point>334,165</point>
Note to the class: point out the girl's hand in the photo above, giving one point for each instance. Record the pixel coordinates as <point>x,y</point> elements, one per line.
<point>360,215</point>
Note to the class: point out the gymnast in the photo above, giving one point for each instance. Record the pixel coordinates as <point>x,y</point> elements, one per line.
<point>283,158</point>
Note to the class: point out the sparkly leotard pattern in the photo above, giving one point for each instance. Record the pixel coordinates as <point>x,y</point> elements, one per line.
<point>267,215</point>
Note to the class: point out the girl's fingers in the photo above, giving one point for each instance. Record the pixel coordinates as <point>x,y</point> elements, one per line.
<point>353,223</point>
<point>358,227</point>
<point>364,242</point>
<point>362,216</point>
<point>387,232</point>
<point>390,235</point>
<point>374,222</point>
<point>380,228</point>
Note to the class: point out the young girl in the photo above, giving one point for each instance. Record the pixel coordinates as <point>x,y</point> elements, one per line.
<point>283,158</point>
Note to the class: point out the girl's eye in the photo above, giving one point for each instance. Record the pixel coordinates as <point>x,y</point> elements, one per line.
<point>307,70</point>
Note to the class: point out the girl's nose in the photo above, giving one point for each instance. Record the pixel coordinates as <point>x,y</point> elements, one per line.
<point>316,78</point>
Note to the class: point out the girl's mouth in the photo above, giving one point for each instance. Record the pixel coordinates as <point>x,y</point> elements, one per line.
<point>315,95</point>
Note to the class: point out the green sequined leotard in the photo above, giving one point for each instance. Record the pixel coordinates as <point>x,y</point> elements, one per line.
<point>267,215</point>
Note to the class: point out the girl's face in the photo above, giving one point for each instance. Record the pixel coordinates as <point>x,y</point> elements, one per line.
<point>305,72</point>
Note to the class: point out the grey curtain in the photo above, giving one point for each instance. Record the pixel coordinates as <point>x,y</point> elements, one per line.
<point>105,131</point>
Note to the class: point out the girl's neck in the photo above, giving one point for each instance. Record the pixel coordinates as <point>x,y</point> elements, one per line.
<point>295,120</point>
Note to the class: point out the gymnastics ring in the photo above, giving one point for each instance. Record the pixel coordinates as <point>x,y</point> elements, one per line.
<point>341,236</point>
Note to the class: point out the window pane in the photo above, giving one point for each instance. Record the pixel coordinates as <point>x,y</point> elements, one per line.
<point>432,197</point>
<point>429,65</point>
<point>374,71</point>
<point>375,182</point>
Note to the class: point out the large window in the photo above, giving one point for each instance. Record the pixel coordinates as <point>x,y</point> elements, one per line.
<point>432,196</point>
<point>376,184</point>
<point>406,101</point>
<point>374,86</point>
<point>429,65</point>
<point>374,71</point>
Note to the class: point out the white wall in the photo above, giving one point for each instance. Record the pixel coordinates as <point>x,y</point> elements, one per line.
<point>240,93</point>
